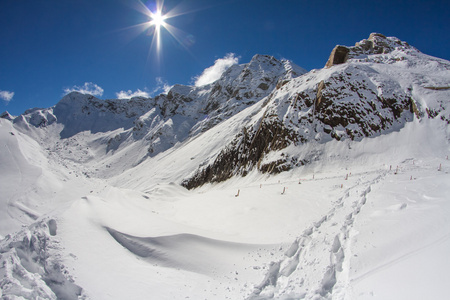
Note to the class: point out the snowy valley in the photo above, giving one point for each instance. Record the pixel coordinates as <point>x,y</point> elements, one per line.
<point>272,182</point>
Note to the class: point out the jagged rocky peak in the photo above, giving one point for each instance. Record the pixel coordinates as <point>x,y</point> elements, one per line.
<point>377,43</point>
<point>261,67</point>
<point>245,84</point>
<point>262,61</point>
<point>6,115</point>
<point>179,90</point>
<point>267,62</point>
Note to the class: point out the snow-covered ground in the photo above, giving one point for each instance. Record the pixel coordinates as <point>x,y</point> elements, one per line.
<point>366,220</point>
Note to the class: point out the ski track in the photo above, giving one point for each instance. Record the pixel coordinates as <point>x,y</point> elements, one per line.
<point>316,266</point>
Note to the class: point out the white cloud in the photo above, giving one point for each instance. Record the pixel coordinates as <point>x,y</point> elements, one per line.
<point>6,95</point>
<point>161,86</point>
<point>130,94</point>
<point>214,72</point>
<point>88,88</point>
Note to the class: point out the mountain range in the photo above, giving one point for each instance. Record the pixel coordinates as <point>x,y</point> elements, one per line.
<point>169,188</point>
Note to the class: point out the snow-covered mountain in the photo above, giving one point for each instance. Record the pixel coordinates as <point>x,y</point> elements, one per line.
<point>271,182</point>
<point>383,85</point>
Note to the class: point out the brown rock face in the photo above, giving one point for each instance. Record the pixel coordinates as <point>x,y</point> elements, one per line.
<point>339,55</point>
<point>245,152</point>
<point>320,87</point>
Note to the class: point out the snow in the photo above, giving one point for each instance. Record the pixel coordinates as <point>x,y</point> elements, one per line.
<point>380,235</point>
<point>87,212</point>
<point>417,262</point>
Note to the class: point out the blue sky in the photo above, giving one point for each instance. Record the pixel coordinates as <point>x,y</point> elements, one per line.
<point>49,47</point>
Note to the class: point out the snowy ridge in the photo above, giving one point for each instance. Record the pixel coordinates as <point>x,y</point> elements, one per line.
<point>156,124</point>
<point>328,184</point>
<point>353,100</point>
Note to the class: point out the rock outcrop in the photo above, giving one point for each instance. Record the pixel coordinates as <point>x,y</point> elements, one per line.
<point>375,44</point>
<point>246,152</point>
<point>378,44</point>
<point>6,115</point>
<point>339,55</point>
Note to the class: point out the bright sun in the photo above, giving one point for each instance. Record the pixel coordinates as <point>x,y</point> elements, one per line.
<point>157,19</point>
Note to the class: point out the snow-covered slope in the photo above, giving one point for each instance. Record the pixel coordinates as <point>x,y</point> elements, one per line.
<point>152,125</point>
<point>328,184</point>
<point>368,95</point>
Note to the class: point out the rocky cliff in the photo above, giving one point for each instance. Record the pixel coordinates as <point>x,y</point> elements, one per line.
<point>372,88</point>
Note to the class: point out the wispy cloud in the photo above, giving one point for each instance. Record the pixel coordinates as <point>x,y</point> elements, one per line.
<point>162,86</point>
<point>88,88</point>
<point>6,95</point>
<point>214,72</point>
<point>130,94</point>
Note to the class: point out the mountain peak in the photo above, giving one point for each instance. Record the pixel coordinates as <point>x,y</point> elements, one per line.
<point>377,43</point>
<point>76,96</point>
<point>264,59</point>
<point>6,115</point>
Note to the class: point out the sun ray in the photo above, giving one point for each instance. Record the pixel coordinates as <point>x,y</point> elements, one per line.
<point>157,24</point>
<point>179,35</point>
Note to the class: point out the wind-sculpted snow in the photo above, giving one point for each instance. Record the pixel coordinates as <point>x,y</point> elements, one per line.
<point>188,252</point>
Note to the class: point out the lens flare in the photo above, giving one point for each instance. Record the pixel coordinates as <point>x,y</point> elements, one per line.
<point>157,24</point>
<point>157,19</point>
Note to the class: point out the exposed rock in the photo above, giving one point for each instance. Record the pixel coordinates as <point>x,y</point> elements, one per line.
<point>6,115</point>
<point>377,43</point>
<point>413,108</point>
<point>339,55</point>
<point>437,88</point>
<point>246,152</point>
<point>320,87</point>
<point>263,86</point>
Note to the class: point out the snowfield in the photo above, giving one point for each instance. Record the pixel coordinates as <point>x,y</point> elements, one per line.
<point>369,220</point>
<point>92,206</point>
